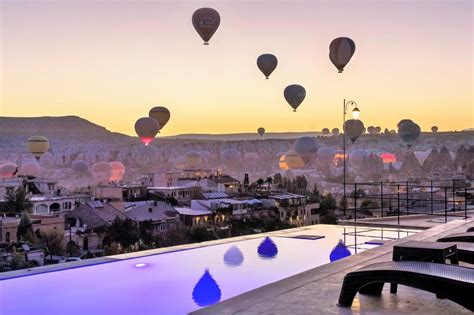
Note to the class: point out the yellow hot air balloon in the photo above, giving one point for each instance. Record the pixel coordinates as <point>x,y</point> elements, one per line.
<point>37,145</point>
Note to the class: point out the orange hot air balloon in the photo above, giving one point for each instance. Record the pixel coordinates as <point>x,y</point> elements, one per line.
<point>206,21</point>
<point>118,170</point>
<point>387,158</point>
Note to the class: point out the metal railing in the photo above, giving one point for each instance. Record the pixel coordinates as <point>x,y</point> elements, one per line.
<point>445,198</point>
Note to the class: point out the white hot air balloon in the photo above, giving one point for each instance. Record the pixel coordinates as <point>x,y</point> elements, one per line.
<point>102,172</point>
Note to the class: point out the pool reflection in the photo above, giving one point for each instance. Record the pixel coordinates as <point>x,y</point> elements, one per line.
<point>233,257</point>
<point>206,291</point>
<point>267,249</point>
<point>339,252</point>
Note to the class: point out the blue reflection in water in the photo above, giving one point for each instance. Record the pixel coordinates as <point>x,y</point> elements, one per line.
<point>267,248</point>
<point>339,252</point>
<point>233,256</point>
<point>206,291</point>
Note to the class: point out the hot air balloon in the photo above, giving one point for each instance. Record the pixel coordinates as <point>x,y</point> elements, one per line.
<point>356,158</point>
<point>8,170</point>
<point>371,130</point>
<point>377,130</point>
<point>267,249</point>
<point>29,168</point>
<point>335,131</point>
<point>339,252</point>
<point>404,121</point>
<point>261,131</point>
<point>161,115</point>
<point>146,128</point>
<point>80,166</point>
<point>306,147</point>
<point>339,157</point>
<point>354,128</point>
<point>118,170</point>
<point>408,132</point>
<point>193,159</point>
<point>291,160</point>
<point>230,157</point>
<point>102,172</point>
<point>206,22</point>
<point>267,63</point>
<point>388,158</point>
<point>341,51</point>
<point>233,257</point>
<point>37,145</point>
<point>326,155</point>
<point>206,291</point>
<point>294,95</point>
<point>325,131</point>
<point>434,129</point>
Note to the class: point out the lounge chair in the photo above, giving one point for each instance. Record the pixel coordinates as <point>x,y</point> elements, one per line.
<point>465,252</point>
<point>447,281</point>
<point>458,237</point>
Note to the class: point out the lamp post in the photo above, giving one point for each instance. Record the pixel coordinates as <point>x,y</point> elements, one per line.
<point>355,114</point>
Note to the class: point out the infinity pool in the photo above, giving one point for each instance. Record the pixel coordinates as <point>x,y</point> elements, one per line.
<point>183,281</point>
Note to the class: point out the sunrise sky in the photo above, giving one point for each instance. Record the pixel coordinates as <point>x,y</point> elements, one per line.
<point>111,61</point>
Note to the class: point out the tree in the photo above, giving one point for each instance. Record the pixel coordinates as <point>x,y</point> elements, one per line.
<point>124,232</point>
<point>269,180</point>
<point>343,203</point>
<point>327,203</point>
<point>53,241</point>
<point>315,196</point>
<point>24,226</point>
<point>260,182</point>
<point>16,201</point>
<point>278,180</point>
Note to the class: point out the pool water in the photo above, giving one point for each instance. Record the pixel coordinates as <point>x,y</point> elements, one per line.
<point>183,281</point>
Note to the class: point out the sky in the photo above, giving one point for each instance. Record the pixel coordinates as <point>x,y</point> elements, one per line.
<point>111,61</point>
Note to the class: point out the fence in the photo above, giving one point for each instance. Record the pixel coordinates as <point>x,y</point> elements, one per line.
<point>433,197</point>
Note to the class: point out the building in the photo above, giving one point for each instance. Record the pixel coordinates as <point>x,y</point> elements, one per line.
<point>226,183</point>
<point>294,209</point>
<point>162,215</point>
<point>39,224</point>
<point>183,194</point>
<point>192,217</point>
<point>121,192</point>
<point>171,178</point>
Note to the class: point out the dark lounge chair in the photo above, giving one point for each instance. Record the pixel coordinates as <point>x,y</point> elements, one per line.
<point>465,252</point>
<point>458,237</point>
<point>448,281</point>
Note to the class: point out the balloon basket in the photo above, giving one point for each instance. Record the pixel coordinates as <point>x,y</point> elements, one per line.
<point>205,43</point>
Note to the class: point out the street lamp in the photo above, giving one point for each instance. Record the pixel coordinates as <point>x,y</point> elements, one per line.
<point>355,114</point>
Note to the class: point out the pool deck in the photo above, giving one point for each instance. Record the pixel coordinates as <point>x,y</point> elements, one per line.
<point>316,291</point>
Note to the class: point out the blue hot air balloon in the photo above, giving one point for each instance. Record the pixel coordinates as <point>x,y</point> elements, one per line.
<point>267,248</point>
<point>233,256</point>
<point>206,291</point>
<point>339,252</point>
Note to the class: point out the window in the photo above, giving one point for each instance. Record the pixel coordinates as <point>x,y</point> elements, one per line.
<point>7,237</point>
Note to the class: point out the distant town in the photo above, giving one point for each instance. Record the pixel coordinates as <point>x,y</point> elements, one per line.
<point>178,191</point>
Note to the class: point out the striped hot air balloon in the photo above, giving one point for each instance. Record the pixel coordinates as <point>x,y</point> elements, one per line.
<point>37,145</point>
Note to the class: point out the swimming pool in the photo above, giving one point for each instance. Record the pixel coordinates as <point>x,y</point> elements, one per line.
<point>182,281</point>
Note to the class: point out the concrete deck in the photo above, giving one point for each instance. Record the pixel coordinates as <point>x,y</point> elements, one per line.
<point>316,291</point>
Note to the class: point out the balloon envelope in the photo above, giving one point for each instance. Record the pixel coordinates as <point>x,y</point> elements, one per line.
<point>146,129</point>
<point>261,131</point>
<point>206,21</point>
<point>101,171</point>
<point>409,132</point>
<point>294,95</point>
<point>30,168</point>
<point>335,131</point>
<point>267,64</point>
<point>8,170</point>
<point>354,128</point>
<point>37,145</point>
<point>306,147</point>
<point>434,129</point>
<point>341,51</point>
<point>356,158</point>
<point>388,158</point>
<point>290,161</point>
<point>80,166</point>
<point>326,155</point>
<point>118,170</point>
<point>161,115</point>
